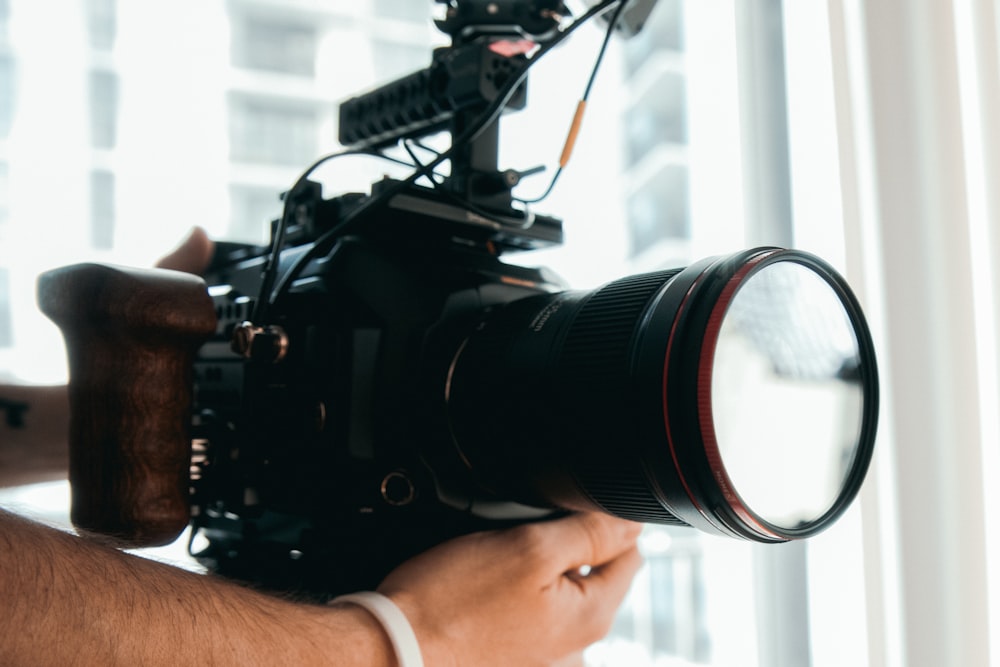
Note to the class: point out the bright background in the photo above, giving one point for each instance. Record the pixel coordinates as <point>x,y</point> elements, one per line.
<point>862,131</point>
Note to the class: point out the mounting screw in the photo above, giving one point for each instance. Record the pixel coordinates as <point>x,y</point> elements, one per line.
<point>260,343</point>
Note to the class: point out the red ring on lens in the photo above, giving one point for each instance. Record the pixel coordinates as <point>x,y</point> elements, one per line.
<point>663,395</point>
<point>704,399</point>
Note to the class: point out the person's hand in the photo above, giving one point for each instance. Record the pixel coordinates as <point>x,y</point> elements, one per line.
<point>517,596</point>
<point>192,255</point>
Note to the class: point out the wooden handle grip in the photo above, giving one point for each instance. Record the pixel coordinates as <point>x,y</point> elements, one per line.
<point>131,336</point>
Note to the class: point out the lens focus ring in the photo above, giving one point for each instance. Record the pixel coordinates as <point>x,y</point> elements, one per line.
<point>597,389</point>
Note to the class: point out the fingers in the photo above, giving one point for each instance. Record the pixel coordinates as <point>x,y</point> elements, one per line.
<point>584,540</point>
<point>602,592</point>
<point>192,255</point>
<point>508,597</point>
<point>616,575</point>
<point>607,549</point>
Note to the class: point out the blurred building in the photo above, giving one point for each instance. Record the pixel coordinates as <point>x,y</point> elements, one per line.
<point>121,126</point>
<point>656,140</point>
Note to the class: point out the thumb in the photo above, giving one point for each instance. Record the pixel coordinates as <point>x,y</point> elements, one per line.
<point>192,255</point>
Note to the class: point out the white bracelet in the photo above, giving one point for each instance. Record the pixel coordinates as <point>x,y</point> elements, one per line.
<point>404,642</point>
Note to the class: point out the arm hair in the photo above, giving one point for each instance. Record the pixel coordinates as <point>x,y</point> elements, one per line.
<point>69,601</point>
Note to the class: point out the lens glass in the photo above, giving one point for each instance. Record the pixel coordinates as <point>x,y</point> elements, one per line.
<point>786,395</point>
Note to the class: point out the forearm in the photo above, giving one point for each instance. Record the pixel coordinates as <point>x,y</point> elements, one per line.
<point>37,451</point>
<point>69,601</point>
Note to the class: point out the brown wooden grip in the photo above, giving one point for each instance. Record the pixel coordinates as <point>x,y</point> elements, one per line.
<point>131,336</point>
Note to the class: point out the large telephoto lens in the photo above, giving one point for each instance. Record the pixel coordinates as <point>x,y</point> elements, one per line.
<point>738,395</point>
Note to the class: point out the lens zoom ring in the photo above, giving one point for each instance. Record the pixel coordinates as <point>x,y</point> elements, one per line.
<point>598,341</point>
<point>596,390</point>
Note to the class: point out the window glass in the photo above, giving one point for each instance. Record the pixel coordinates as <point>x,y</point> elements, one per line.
<point>656,180</point>
<point>103,90</point>
<point>102,23</point>
<point>6,328</point>
<point>655,138</point>
<point>8,93</point>
<point>272,44</point>
<point>658,211</point>
<point>102,209</point>
<point>392,59</point>
<point>406,10</point>
<point>658,115</point>
<point>663,32</point>
<point>252,208</point>
<point>272,131</point>
<point>4,196</point>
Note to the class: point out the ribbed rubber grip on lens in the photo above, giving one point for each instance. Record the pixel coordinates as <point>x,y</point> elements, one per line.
<point>595,368</point>
<point>624,492</point>
<point>598,341</point>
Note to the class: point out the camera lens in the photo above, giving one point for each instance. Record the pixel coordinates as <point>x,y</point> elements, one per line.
<point>738,395</point>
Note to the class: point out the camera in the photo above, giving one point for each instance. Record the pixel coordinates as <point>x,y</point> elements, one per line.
<point>378,379</point>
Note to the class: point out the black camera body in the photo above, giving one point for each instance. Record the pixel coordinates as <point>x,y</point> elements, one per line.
<point>328,464</point>
<point>332,460</point>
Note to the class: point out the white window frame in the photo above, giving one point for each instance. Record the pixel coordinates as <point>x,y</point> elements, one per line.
<point>917,98</point>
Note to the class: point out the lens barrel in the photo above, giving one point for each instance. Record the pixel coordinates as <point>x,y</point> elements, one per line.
<point>738,395</point>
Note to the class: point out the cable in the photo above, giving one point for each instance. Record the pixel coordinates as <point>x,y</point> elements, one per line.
<point>269,273</point>
<point>408,145</point>
<point>580,108</point>
<point>529,217</point>
<point>325,243</point>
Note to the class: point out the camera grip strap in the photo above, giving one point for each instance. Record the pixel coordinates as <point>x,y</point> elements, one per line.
<point>131,336</point>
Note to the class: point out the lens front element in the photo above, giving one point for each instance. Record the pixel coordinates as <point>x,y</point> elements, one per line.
<point>782,395</point>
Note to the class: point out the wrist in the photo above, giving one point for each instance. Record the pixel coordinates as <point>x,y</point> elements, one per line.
<point>350,630</point>
<point>393,622</point>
